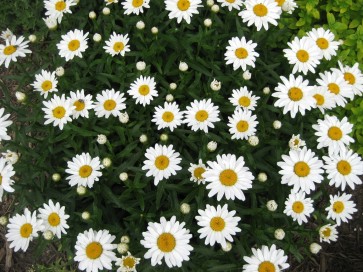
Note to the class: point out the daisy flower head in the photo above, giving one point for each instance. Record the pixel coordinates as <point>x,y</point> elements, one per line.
<point>109,103</point>
<point>328,233</point>
<point>109,2</point>
<point>6,34</point>
<point>162,162</point>
<point>135,6</point>
<point>324,39</point>
<point>54,218</point>
<point>167,240</point>
<point>22,229</point>
<point>201,115</point>
<point>324,99</point>
<point>182,9</point>
<point>231,4</point>
<point>82,103</point>
<point>260,13</point>
<point>304,54</point>
<point>4,123</point>
<point>294,95</point>
<point>94,250</point>
<point>117,44</point>
<point>6,173</point>
<point>301,169</point>
<point>266,259</point>
<point>168,116</point>
<point>244,98</point>
<point>333,133</point>
<point>74,43</point>
<point>218,225</point>
<point>341,208</point>
<point>228,176</point>
<point>58,111</point>
<point>241,53</point>
<point>287,5</point>
<point>57,8</point>
<point>242,124</point>
<point>353,76</point>
<point>45,83</point>
<point>143,90</point>
<point>127,263</point>
<point>296,142</point>
<point>298,207</point>
<point>14,48</point>
<point>84,170</point>
<point>196,172</point>
<point>344,169</point>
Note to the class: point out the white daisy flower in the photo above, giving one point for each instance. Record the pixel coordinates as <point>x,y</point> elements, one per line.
<point>294,95</point>
<point>74,43</point>
<point>201,115</point>
<point>353,76</point>
<point>168,116</point>
<point>135,6</point>
<point>344,169</point>
<point>6,173</point>
<point>324,99</point>
<point>117,44</point>
<point>109,103</point>
<point>333,133</point>
<point>143,90</point>
<point>109,2</point>
<point>54,218</point>
<point>231,4</point>
<point>6,34</point>
<point>4,123</point>
<point>57,8</point>
<point>22,229</point>
<point>341,208</point>
<point>58,111</point>
<point>324,39</point>
<point>218,225</point>
<point>244,98</point>
<point>196,172</point>
<point>94,250</point>
<point>127,263</point>
<point>10,156</point>
<point>298,207</point>
<point>84,170</point>
<point>162,162</point>
<point>45,83</point>
<point>287,5</point>
<point>228,177</point>
<point>182,9</point>
<point>304,54</point>
<point>328,233</point>
<point>296,143</point>
<point>14,48</point>
<point>82,103</point>
<point>167,240</point>
<point>241,53</point>
<point>266,260</point>
<point>261,13</point>
<point>242,124</point>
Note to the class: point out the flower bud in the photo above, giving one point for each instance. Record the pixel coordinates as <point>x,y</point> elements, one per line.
<point>228,247</point>
<point>97,37</point>
<point>262,177</point>
<point>207,22</point>
<point>101,139</point>
<point>169,98</point>
<point>271,205</point>
<point>246,75</point>
<point>125,239</point>
<point>20,96</point>
<point>48,235</point>
<point>172,86</point>
<point>122,248</point>
<point>124,117</point>
<point>106,11</point>
<point>215,85</point>
<point>143,138</point>
<point>86,215</point>
<point>279,234</point>
<point>59,71</point>
<point>140,65</point>
<point>164,137</point>
<point>266,90</point>
<point>185,208</point>
<point>32,38</point>
<point>210,3</point>
<point>212,146</point>
<point>315,248</point>
<point>140,25</point>
<point>81,190</point>
<point>56,177</point>
<point>51,23</point>
<point>276,124</point>
<point>215,8</point>
<point>3,220</point>
<point>183,66</point>
<point>253,140</point>
<point>92,15</point>
<point>106,162</point>
<point>123,176</point>
<point>154,30</point>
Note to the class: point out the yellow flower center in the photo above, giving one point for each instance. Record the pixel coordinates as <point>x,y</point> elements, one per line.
<point>85,171</point>
<point>118,46</point>
<point>162,162</point>
<point>338,206</point>
<point>260,10</point>
<point>298,207</point>
<point>244,101</point>
<point>322,43</point>
<point>73,45</point>
<point>344,167</point>
<point>94,250</point>
<point>168,116</point>
<point>183,5</point>
<point>349,77</point>
<point>242,126</point>
<point>228,177</point>
<point>59,112</point>
<point>47,85</point>
<point>26,230</point>
<point>301,169</point>
<point>217,223</point>
<point>334,88</point>
<point>137,3</point>
<point>326,232</point>
<point>241,53</point>
<point>319,99</point>
<point>53,219</point>
<point>295,94</point>
<point>9,50</point>
<point>1,180</point>
<point>302,55</point>
<point>129,262</point>
<point>144,90</point>
<point>109,104</point>
<point>60,5</point>
<point>266,266</point>
<point>230,1</point>
<point>197,172</point>
<point>335,133</point>
<point>201,115</point>
<point>166,242</point>
<point>79,104</point>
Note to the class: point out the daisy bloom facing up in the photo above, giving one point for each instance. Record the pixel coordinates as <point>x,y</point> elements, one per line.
<point>127,263</point>
<point>341,208</point>
<point>22,229</point>
<point>94,250</point>
<point>6,173</point>
<point>4,123</point>
<point>228,176</point>
<point>266,260</point>
<point>328,233</point>
<point>299,207</point>
<point>261,13</point>
<point>324,39</point>
<point>109,103</point>
<point>135,6</point>
<point>45,83</point>
<point>58,111</point>
<point>57,8</point>
<point>324,99</point>
<point>241,53</point>
<point>14,48</point>
<point>82,103</point>
<point>84,170</point>
<point>353,76</point>
<point>242,124</point>
<point>217,225</point>
<point>296,143</point>
<point>244,98</point>
<point>231,4</point>
<point>167,240</point>
<point>182,9</point>
<point>117,45</point>
<point>143,90</point>
<point>168,116</point>
<point>74,43</point>
<point>196,171</point>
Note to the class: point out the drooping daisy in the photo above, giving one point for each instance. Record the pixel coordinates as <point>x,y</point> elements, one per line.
<point>94,250</point>
<point>201,115</point>
<point>22,229</point>
<point>341,208</point>
<point>244,98</point>
<point>324,39</point>
<point>82,103</point>
<point>196,172</point>
<point>109,102</point>
<point>353,76</point>
<point>127,263</point>
<point>344,168</point>
<point>4,123</point>
<point>14,48</point>
<point>241,53</point>
<point>6,173</point>
<point>231,4</point>
<point>328,233</point>
<point>57,111</point>
<point>294,95</point>
<point>242,124</point>
<point>298,207</point>
<point>117,44</point>
<point>57,8</point>
<point>301,169</point>
<point>167,240</point>
<point>228,176</point>
<point>10,156</point>
<point>84,170</point>
<point>109,2</point>
<point>162,162</point>
<point>287,5</point>
<point>304,54</point>
<point>6,34</point>
<point>74,43</point>
<point>217,225</point>
<point>266,260</point>
<point>333,133</point>
<point>135,6</point>
<point>324,99</point>
<point>296,143</point>
<point>182,9</point>
<point>143,90</point>
<point>45,83</point>
<point>168,116</point>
